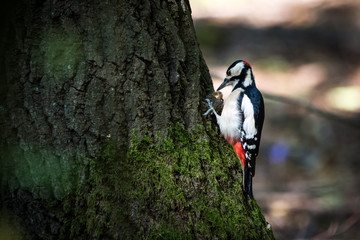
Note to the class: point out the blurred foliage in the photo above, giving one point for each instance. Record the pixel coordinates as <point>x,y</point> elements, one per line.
<point>307,171</point>
<point>274,64</point>
<point>345,98</point>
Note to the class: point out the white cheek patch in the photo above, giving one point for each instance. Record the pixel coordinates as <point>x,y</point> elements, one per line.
<point>236,70</point>
<point>249,121</point>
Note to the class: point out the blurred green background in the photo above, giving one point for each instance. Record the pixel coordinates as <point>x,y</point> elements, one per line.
<point>308,52</point>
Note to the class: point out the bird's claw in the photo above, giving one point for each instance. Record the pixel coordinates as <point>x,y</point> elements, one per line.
<point>211,108</point>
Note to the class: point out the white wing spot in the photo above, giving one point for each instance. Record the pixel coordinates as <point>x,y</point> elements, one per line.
<point>251,146</point>
<point>236,70</point>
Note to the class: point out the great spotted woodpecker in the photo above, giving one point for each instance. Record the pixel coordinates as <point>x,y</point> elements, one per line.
<point>242,118</point>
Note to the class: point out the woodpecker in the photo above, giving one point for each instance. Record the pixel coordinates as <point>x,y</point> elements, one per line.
<point>242,118</point>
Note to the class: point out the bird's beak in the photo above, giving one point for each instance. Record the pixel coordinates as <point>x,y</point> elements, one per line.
<point>225,83</point>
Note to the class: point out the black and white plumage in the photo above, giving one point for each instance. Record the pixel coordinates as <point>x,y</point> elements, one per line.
<point>242,118</point>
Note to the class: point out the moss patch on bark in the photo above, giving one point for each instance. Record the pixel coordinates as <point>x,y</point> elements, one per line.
<point>186,186</point>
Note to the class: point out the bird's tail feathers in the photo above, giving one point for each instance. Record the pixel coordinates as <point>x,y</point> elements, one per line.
<point>247,181</point>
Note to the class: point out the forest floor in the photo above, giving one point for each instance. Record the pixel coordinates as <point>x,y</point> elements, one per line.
<point>307,180</point>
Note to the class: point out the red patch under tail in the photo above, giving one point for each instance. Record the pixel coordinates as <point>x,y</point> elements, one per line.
<point>239,151</point>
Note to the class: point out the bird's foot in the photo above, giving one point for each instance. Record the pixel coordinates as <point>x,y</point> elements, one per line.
<point>211,108</point>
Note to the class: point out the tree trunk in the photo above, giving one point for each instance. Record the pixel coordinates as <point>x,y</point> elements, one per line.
<point>101,127</point>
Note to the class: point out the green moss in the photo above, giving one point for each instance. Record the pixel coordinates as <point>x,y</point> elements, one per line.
<point>187,186</point>
<point>39,170</point>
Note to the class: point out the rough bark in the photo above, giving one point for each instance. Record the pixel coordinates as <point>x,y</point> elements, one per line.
<point>95,95</point>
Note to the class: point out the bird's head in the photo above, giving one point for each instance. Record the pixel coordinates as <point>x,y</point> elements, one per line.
<point>239,74</point>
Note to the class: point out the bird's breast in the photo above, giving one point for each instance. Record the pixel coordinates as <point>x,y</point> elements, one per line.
<point>230,120</point>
